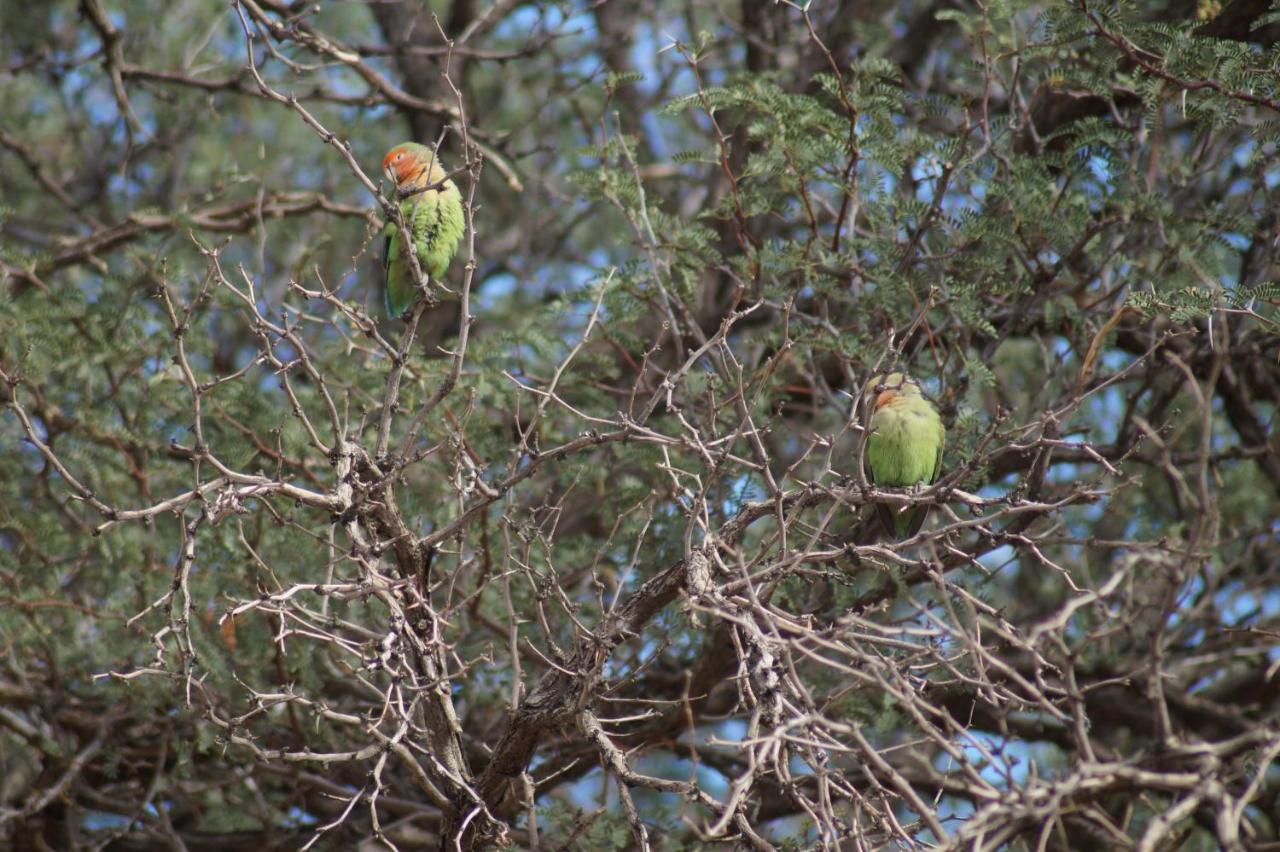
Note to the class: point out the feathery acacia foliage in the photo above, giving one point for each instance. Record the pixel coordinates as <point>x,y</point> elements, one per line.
<point>585,558</point>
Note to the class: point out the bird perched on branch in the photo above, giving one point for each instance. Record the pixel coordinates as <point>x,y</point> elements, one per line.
<point>904,448</point>
<point>431,207</point>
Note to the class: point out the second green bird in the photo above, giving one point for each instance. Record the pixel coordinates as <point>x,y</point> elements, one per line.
<point>904,448</point>
<point>433,216</point>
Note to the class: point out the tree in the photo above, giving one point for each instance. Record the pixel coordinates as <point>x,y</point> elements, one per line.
<point>584,555</point>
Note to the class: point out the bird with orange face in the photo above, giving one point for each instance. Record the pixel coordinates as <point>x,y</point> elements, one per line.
<point>431,207</point>
<point>904,448</point>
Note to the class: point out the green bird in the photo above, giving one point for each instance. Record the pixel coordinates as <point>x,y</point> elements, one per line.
<point>432,214</point>
<point>904,448</point>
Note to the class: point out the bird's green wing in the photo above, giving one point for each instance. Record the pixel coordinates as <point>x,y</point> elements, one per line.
<point>912,521</point>
<point>937,464</point>
<point>400,289</point>
<point>386,267</point>
<point>389,269</point>
<point>884,513</point>
<point>915,517</point>
<point>888,520</point>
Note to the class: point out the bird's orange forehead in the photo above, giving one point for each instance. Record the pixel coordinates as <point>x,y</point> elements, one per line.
<point>406,165</point>
<point>411,165</point>
<point>399,162</point>
<point>885,397</point>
